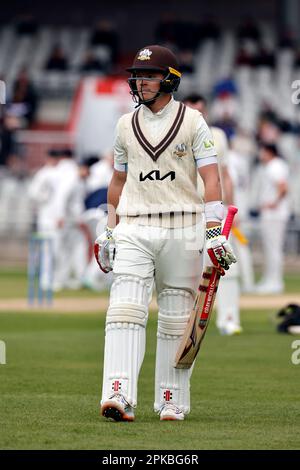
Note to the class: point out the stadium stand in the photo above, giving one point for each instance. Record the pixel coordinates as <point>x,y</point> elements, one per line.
<point>243,72</point>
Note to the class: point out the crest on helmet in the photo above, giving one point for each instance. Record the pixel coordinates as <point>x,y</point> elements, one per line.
<point>144,54</point>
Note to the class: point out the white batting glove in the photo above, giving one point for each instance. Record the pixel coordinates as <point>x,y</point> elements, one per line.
<point>219,249</point>
<point>105,250</point>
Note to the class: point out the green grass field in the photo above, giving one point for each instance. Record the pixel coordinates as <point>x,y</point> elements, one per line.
<point>245,389</point>
<point>13,284</point>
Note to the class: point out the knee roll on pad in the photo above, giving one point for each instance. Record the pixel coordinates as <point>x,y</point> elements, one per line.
<point>128,301</point>
<point>171,325</point>
<point>174,310</point>
<point>127,313</point>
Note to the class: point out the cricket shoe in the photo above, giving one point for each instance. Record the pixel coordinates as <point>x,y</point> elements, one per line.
<point>117,408</point>
<point>229,327</point>
<point>269,288</point>
<point>230,330</point>
<point>170,412</point>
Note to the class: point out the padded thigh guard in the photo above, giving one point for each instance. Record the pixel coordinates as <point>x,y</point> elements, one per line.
<point>125,337</point>
<point>172,385</point>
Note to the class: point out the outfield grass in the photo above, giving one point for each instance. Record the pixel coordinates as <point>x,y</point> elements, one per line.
<point>245,390</point>
<point>13,284</point>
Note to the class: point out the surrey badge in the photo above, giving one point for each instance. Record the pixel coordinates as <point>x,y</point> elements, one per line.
<point>180,150</point>
<point>144,54</point>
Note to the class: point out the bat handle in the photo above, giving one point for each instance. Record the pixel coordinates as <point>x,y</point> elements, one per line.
<point>232,210</point>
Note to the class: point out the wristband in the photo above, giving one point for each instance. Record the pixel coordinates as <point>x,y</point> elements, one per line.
<point>214,211</point>
<point>109,233</point>
<point>213,232</point>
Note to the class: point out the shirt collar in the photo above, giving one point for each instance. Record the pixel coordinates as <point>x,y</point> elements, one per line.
<point>162,112</point>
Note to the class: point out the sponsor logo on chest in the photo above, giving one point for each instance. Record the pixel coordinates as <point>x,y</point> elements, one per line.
<point>155,175</point>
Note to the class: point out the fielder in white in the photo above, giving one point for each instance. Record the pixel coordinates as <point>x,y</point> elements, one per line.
<point>70,240</point>
<point>240,171</point>
<point>158,235</point>
<point>99,178</point>
<point>274,213</point>
<point>41,192</point>
<point>228,294</point>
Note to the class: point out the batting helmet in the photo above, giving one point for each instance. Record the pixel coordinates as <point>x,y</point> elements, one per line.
<point>155,59</point>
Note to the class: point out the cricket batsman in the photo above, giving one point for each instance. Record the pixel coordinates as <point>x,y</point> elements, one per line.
<point>159,227</point>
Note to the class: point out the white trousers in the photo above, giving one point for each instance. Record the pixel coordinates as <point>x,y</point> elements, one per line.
<point>172,260</point>
<point>169,257</point>
<point>71,257</point>
<point>272,234</point>
<point>245,262</point>
<point>48,254</point>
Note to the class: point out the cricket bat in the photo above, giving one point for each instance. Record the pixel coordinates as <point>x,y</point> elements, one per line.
<point>202,309</point>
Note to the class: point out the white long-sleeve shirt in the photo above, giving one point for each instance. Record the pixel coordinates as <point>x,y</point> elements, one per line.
<point>273,173</point>
<point>100,175</point>
<point>42,193</point>
<point>69,193</point>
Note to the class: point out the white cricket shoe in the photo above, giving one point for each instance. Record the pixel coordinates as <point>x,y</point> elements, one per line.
<point>230,329</point>
<point>117,408</point>
<point>170,412</point>
<point>269,288</point>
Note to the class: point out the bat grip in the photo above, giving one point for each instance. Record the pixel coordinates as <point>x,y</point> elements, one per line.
<point>232,210</point>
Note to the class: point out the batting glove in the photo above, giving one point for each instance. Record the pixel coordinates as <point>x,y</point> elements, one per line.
<point>105,250</point>
<point>219,249</point>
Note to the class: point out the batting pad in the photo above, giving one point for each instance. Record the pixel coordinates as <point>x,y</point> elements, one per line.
<point>172,385</point>
<point>125,337</point>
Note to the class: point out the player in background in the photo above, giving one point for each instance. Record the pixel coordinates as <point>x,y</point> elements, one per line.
<point>274,210</point>
<point>228,294</point>
<point>158,234</point>
<point>72,245</point>
<point>239,165</point>
<point>41,192</point>
<point>95,216</point>
<point>101,173</point>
